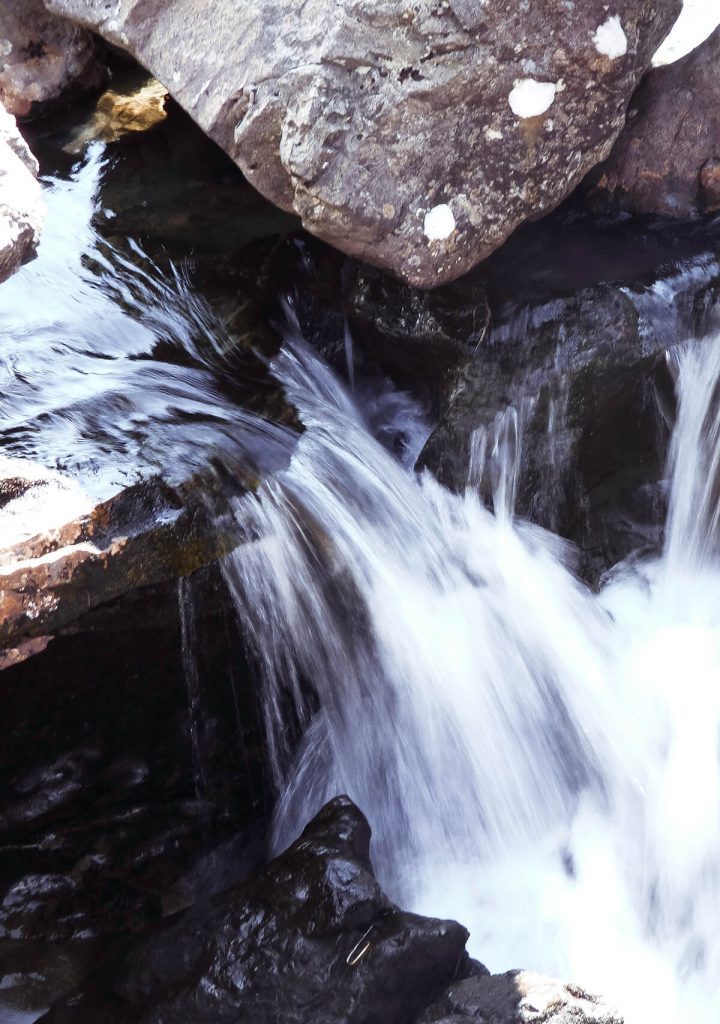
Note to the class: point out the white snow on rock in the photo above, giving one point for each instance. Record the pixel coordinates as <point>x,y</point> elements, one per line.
<point>439,223</point>
<point>530,98</point>
<point>697,20</point>
<point>610,38</point>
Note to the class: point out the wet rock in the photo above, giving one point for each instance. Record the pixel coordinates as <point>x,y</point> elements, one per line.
<point>667,158</point>
<point>21,206</point>
<point>147,534</point>
<point>45,62</point>
<point>417,336</point>
<point>119,113</point>
<point>560,404</point>
<point>518,997</point>
<point>312,938</point>
<point>122,799</point>
<point>356,315</point>
<point>34,972</point>
<point>414,137</point>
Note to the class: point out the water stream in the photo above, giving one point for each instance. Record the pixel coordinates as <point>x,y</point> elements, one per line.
<point>537,760</point>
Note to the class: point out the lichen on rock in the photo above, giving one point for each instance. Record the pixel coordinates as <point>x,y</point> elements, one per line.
<point>361,118</point>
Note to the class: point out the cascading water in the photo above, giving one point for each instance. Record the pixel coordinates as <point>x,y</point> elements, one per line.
<point>122,370</point>
<point>536,761</point>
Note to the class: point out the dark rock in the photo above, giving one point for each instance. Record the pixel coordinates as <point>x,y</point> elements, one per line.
<point>21,208</point>
<point>667,159</point>
<point>365,121</point>
<point>518,997</point>
<point>417,336</point>
<point>45,62</point>
<point>413,336</point>
<point>582,373</point>
<point>126,795</point>
<point>312,938</point>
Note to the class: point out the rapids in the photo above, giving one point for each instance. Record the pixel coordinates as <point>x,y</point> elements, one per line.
<point>537,761</point>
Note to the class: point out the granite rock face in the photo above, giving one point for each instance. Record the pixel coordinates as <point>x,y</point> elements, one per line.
<point>667,159</point>
<point>415,136</point>
<point>45,61</point>
<point>21,207</point>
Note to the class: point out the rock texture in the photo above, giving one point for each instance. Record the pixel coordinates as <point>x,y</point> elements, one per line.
<point>518,997</point>
<point>667,159</point>
<point>21,206</point>
<point>147,534</point>
<point>555,385</point>
<point>414,136</point>
<point>312,938</point>
<point>44,61</point>
<point>122,801</point>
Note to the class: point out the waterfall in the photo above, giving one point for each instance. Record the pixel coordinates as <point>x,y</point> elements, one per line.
<point>536,760</point>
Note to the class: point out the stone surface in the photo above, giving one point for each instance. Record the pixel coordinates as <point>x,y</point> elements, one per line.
<point>45,62</point>
<point>121,801</point>
<point>147,534</point>
<point>414,136</point>
<point>667,159</point>
<point>21,206</point>
<point>583,369</point>
<point>312,938</point>
<point>518,997</point>
<point>411,335</point>
<point>119,113</point>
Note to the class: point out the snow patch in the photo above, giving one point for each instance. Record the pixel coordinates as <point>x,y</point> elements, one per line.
<point>531,98</point>
<point>439,223</point>
<point>610,38</point>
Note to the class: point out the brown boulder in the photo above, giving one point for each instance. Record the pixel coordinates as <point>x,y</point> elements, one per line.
<point>146,534</point>
<point>44,61</point>
<point>667,159</point>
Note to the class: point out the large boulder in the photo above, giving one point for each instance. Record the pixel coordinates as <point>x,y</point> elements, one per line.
<point>21,206</point>
<point>667,159</point>
<point>312,938</point>
<point>45,61</point>
<point>414,136</point>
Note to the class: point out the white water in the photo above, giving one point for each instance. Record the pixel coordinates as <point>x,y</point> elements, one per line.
<point>537,761</point>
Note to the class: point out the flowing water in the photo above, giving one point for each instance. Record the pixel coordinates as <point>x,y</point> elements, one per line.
<point>536,760</point>
<point>112,370</point>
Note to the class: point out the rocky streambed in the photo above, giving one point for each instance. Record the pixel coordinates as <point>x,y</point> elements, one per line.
<point>141,407</point>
